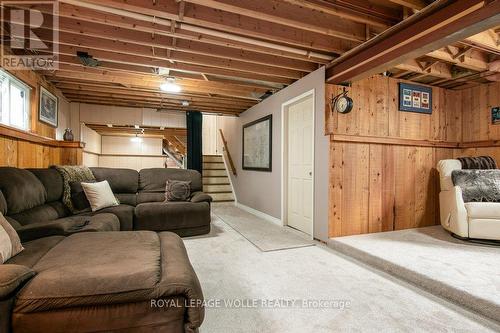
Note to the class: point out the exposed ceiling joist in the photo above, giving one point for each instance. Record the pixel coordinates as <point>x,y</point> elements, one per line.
<point>472,59</point>
<point>413,4</point>
<point>200,18</point>
<point>280,12</point>
<point>336,9</point>
<point>415,37</point>
<point>440,70</point>
<point>486,40</point>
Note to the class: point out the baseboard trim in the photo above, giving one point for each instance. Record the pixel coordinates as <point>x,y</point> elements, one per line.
<point>260,214</point>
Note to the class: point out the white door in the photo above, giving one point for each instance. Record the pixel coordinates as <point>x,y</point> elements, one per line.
<point>300,165</point>
<point>210,132</point>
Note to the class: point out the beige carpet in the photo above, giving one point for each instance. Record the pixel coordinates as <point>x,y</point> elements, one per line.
<point>265,235</point>
<point>463,272</point>
<point>230,267</point>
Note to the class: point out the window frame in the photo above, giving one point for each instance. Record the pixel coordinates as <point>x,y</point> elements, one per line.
<point>13,81</point>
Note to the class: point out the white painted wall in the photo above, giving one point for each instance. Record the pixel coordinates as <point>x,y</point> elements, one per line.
<point>92,148</point>
<point>262,190</point>
<point>131,162</point>
<point>119,115</point>
<point>122,152</point>
<point>123,145</point>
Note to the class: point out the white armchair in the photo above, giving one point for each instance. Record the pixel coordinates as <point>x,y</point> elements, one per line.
<point>479,220</point>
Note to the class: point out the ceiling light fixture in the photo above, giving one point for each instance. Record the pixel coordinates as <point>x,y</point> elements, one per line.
<point>185,103</point>
<point>170,86</point>
<point>137,138</point>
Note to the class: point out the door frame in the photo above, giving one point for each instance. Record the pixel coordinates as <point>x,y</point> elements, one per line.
<point>284,154</point>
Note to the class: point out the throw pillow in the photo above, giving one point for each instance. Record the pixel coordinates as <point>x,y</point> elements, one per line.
<point>10,244</point>
<point>99,195</point>
<point>478,185</point>
<point>177,190</point>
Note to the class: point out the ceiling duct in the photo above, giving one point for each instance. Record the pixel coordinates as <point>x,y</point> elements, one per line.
<point>87,60</point>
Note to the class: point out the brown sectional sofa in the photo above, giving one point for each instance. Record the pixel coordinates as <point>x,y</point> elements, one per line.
<point>69,279</point>
<point>32,202</point>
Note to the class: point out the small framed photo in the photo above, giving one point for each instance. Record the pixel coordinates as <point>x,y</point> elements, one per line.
<point>495,115</point>
<point>48,108</point>
<point>415,98</point>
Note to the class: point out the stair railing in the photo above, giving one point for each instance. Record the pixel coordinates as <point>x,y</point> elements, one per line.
<point>229,158</point>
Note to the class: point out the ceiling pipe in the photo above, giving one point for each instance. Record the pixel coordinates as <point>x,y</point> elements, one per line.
<point>192,28</point>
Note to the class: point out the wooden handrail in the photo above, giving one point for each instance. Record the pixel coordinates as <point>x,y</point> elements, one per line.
<point>231,163</point>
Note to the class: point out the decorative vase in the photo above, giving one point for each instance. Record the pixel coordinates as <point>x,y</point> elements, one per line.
<point>68,134</point>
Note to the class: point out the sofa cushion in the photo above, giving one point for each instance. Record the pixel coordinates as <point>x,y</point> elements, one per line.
<point>99,195</point>
<point>21,189</point>
<point>125,214</point>
<point>478,185</point>
<point>45,212</point>
<point>159,216</point>
<point>177,190</point>
<point>483,210</point>
<point>52,181</point>
<point>69,225</point>
<point>13,277</point>
<point>78,197</point>
<point>3,204</point>
<point>35,250</point>
<point>145,197</point>
<point>10,244</point>
<point>127,198</point>
<point>154,180</point>
<point>445,168</point>
<point>120,180</point>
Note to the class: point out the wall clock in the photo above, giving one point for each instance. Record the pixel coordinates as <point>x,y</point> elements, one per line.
<point>342,103</point>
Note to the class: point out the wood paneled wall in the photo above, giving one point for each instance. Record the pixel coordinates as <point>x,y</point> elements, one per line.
<point>24,154</point>
<point>376,113</point>
<point>382,161</point>
<point>476,104</point>
<point>379,187</point>
<point>27,150</point>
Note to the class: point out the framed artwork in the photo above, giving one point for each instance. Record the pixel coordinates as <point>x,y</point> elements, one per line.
<point>415,98</point>
<point>258,144</point>
<point>495,115</point>
<point>48,108</point>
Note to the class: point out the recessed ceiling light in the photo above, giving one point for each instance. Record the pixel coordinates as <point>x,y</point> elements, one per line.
<point>185,103</point>
<point>170,86</point>
<point>136,126</point>
<point>109,125</point>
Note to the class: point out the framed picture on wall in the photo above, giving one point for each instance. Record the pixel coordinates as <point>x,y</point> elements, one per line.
<point>495,115</point>
<point>258,144</point>
<point>415,98</point>
<point>48,108</point>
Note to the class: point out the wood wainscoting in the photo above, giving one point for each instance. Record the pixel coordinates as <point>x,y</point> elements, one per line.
<point>27,150</point>
<point>383,173</point>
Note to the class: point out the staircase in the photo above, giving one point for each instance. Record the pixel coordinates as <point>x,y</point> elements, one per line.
<point>215,179</point>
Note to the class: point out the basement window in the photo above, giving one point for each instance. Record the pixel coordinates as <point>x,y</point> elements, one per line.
<point>14,102</point>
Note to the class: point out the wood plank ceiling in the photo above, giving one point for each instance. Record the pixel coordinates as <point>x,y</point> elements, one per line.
<point>227,55</point>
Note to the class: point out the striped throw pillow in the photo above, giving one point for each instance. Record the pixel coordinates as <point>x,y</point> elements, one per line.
<point>10,244</point>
